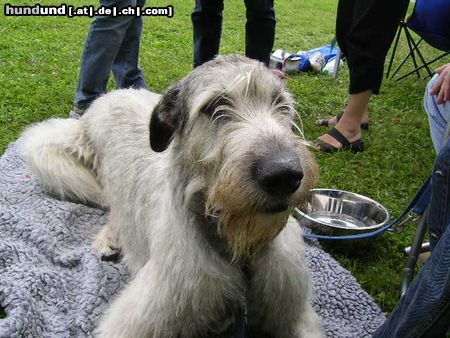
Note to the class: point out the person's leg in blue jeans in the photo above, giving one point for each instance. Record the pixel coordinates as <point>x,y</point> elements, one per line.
<point>107,35</point>
<point>125,68</point>
<point>207,24</point>
<point>259,29</point>
<point>438,115</point>
<point>424,311</point>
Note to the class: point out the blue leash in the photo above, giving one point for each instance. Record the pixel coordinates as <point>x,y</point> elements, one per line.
<point>410,206</point>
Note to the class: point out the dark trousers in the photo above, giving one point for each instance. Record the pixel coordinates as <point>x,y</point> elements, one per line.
<point>259,29</point>
<point>365,30</point>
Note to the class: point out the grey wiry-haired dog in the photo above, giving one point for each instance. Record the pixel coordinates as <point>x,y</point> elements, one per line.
<point>203,219</point>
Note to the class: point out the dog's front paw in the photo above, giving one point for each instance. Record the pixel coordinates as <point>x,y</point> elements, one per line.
<point>106,245</point>
<point>113,254</point>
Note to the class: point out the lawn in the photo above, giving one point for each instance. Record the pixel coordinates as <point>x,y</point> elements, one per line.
<point>39,64</point>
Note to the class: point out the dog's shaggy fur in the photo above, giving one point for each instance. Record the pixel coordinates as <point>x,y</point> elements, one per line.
<point>196,214</point>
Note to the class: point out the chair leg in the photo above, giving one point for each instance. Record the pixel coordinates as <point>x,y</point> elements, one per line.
<point>410,54</point>
<point>397,38</point>
<point>412,46</point>
<point>427,64</point>
<point>425,247</point>
<point>420,55</point>
<point>408,271</point>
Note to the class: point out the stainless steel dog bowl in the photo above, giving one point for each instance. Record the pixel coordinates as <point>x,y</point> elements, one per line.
<point>338,211</point>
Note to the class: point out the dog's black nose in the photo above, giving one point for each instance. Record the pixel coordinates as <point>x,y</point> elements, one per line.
<point>279,174</point>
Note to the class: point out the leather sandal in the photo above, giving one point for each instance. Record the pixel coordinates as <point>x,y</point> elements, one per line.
<point>354,147</point>
<point>326,122</point>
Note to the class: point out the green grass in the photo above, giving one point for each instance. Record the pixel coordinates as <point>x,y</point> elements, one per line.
<point>39,62</point>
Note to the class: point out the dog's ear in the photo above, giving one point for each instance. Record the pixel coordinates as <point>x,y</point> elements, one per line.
<point>166,118</point>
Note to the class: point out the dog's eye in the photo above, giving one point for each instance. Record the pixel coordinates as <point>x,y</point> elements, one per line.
<point>286,111</point>
<point>282,106</point>
<point>277,100</point>
<point>218,109</point>
<point>218,103</point>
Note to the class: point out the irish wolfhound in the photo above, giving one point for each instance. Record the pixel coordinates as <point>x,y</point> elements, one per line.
<point>203,219</point>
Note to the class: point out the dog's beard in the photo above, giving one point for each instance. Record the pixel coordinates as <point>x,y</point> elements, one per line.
<point>247,233</point>
<point>240,216</point>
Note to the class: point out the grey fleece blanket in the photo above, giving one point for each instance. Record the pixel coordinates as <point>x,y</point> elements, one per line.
<point>53,284</point>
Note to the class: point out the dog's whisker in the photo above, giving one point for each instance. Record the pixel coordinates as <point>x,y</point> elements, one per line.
<point>299,130</point>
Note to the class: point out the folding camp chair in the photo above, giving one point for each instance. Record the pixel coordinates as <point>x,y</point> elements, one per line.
<point>429,20</point>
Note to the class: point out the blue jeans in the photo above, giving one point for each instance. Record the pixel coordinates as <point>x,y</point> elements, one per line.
<point>424,311</point>
<point>111,45</point>
<point>259,29</point>
<point>438,115</point>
